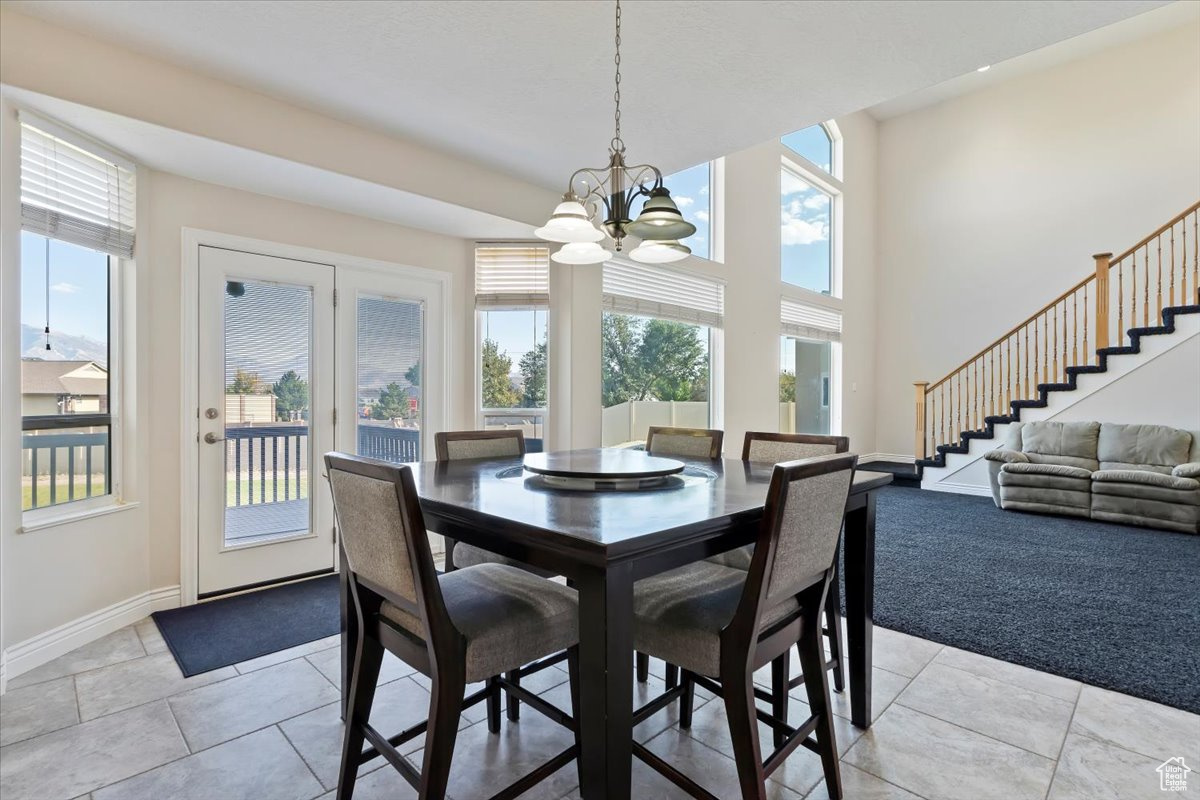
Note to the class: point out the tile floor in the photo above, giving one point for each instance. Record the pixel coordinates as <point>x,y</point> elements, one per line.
<point>116,721</point>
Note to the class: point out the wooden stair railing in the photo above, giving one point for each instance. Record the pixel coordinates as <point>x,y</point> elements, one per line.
<point>1158,272</point>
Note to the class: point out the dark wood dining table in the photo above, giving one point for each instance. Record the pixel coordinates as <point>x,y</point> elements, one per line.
<point>604,541</point>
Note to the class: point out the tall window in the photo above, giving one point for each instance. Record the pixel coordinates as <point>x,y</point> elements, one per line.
<point>77,224</point>
<point>808,208</point>
<point>512,301</point>
<point>808,355</point>
<point>659,333</point>
<point>691,189</point>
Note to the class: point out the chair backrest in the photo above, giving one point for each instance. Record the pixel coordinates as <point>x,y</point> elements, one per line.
<point>687,442</point>
<point>772,448</point>
<point>383,533</point>
<point>455,445</point>
<point>801,525</point>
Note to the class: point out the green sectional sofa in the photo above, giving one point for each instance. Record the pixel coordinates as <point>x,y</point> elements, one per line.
<point>1145,475</point>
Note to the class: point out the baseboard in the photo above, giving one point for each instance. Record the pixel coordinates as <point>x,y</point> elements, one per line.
<point>38,650</point>
<point>897,457</point>
<point>957,488</point>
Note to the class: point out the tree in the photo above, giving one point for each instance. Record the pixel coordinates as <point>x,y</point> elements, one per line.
<point>498,391</point>
<point>787,386</point>
<point>291,397</point>
<point>652,360</point>
<point>244,383</point>
<point>393,402</point>
<point>620,367</point>
<point>413,374</point>
<point>533,377</point>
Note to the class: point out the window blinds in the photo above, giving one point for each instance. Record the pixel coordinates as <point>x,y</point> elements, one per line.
<point>73,194</point>
<point>655,292</point>
<point>512,276</point>
<point>810,322</point>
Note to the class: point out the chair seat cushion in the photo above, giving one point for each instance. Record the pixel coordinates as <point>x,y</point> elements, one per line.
<point>738,559</point>
<point>507,616</point>
<point>1146,478</point>
<point>1057,470</point>
<point>468,555</point>
<point>678,615</point>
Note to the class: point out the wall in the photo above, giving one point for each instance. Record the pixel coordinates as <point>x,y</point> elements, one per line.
<point>992,203</point>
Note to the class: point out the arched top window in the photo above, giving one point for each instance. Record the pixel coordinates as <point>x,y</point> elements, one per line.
<point>814,143</point>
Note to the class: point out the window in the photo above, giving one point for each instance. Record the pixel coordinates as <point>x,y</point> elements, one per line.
<point>807,362</point>
<point>659,333</point>
<point>77,224</point>
<point>814,144</point>
<point>806,259</point>
<point>691,189</point>
<point>512,301</point>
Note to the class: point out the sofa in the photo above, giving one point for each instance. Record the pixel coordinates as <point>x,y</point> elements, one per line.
<point>1146,475</point>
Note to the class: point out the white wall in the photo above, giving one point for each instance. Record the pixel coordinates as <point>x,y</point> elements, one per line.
<point>992,203</point>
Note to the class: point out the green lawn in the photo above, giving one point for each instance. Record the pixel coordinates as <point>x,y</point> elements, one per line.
<point>257,486</point>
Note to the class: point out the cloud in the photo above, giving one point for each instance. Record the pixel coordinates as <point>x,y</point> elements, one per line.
<point>816,201</point>
<point>65,288</point>
<point>704,189</point>
<point>702,216</point>
<point>795,230</point>
<point>683,202</point>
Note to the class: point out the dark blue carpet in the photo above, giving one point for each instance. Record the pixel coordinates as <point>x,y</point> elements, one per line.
<point>221,632</point>
<point>1110,605</point>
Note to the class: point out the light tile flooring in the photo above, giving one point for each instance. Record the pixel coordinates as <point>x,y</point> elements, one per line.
<point>116,721</point>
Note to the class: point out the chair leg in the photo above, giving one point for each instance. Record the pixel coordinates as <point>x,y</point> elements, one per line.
<point>573,671</point>
<point>643,667</point>
<point>812,659</point>
<point>493,705</point>
<point>687,700</point>
<point>743,730</point>
<point>833,621</point>
<point>445,709</point>
<point>672,676</point>
<point>511,704</point>
<point>363,678</point>
<point>780,669</point>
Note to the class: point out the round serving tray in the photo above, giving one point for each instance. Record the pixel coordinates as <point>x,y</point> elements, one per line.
<point>609,465</point>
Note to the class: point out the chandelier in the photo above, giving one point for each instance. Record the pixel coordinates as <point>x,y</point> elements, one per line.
<point>660,226</point>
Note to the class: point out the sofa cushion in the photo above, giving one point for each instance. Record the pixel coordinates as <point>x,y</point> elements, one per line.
<point>1075,440</point>
<point>1145,491</point>
<point>1189,470</point>
<point>1057,470</point>
<point>1125,466</point>
<point>1155,445</point>
<point>1003,456</point>
<point>1140,476</point>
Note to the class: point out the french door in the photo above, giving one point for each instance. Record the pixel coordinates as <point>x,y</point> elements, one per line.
<point>297,358</point>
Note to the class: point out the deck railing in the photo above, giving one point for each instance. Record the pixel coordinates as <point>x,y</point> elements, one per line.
<point>75,464</point>
<point>1161,270</point>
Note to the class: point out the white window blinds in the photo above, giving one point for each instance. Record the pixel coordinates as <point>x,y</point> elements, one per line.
<point>512,276</point>
<point>655,292</point>
<point>810,322</point>
<point>73,194</point>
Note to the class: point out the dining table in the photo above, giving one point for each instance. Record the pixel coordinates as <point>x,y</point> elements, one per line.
<point>603,540</point>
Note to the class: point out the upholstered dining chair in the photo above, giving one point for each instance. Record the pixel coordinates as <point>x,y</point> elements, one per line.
<point>720,624</point>
<point>686,442</point>
<point>455,445</point>
<point>464,626</point>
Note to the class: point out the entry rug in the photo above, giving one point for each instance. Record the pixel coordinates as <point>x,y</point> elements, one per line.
<point>222,632</point>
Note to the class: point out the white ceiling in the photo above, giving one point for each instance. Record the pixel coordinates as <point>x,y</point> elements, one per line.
<point>525,86</point>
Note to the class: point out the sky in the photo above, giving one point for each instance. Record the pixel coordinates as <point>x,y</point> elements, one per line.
<point>805,216</point>
<point>516,332</point>
<point>78,288</point>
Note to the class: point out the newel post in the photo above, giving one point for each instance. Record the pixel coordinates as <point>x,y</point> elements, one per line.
<point>1102,266</point>
<point>919,449</point>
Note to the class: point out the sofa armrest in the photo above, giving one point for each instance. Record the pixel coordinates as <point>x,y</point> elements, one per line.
<point>1188,470</point>
<point>1006,456</point>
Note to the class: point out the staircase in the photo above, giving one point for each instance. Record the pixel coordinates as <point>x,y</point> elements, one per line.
<point>1149,286</point>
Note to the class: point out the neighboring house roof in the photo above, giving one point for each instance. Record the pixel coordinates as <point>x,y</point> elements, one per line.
<point>63,377</point>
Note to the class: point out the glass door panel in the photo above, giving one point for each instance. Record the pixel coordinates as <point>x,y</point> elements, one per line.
<point>390,404</point>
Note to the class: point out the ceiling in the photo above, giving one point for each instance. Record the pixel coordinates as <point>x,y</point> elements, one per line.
<point>525,86</point>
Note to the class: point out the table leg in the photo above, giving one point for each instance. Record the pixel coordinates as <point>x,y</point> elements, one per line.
<point>349,627</point>
<point>858,548</point>
<point>606,682</point>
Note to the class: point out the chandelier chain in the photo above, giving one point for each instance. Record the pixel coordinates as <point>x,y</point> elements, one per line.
<point>617,144</point>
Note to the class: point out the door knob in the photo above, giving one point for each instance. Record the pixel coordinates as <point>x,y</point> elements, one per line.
<point>212,438</point>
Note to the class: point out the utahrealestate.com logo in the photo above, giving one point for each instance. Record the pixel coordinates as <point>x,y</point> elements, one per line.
<point>1172,775</point>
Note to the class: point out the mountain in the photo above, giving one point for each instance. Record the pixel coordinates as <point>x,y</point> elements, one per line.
<point>64,347</point>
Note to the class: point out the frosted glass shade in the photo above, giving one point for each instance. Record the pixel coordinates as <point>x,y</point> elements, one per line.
<point>581,253</point>
<point>660,252</point>
<point>660,219</point>
<point>569,223</point>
